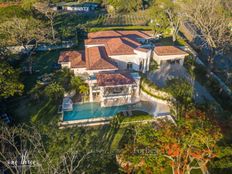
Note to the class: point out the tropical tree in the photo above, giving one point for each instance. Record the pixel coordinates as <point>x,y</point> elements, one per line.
<point>182,93</point>
<point>63,77</point>
<point>76,83</point>
<point>84,89</point>
<point>54,91</point>
<point>9,81</point>
<point>36,92</point>
<point>189,145</point>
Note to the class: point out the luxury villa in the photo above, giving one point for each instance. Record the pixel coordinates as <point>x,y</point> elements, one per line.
<point>112,61</point>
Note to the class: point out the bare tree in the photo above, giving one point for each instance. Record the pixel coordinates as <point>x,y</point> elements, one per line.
<point>49,13</point>
<point>210,19</point>
<point>24,32</point>
<point>174,21</point>
<point>172,15</point>
<point>26,149</point>
<point>22,150</point>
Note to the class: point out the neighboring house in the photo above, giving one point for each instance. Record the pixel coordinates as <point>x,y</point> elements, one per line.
<point>76,7</point>
<point>111,61</point>
<point>169,54</point>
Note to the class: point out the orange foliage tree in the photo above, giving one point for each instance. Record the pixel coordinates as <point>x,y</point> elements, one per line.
<point>185,146</point>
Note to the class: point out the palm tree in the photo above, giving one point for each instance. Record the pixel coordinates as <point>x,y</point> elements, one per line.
<point>76,82</point>
<point>54,91</point>
<point>84,89</point>
<point>64,78</point>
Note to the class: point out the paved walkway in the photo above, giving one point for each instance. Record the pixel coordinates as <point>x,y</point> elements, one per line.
<point>170,71</point>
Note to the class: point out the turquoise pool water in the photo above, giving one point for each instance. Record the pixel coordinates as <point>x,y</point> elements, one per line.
<point>93,110</point>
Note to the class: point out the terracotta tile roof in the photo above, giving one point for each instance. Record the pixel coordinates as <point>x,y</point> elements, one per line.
<point>104,34</point>
<point>96,58</point>
<point>77,58</point>
<point>169,50</point>
<point>117,42</point>
<point>114,79</point>
<point>96,41</point>
<point>134,35</point>
<point>145,50</point>
<point>120,46</point>
<point>118,33</point>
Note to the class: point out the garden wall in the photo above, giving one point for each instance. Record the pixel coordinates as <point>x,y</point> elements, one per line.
<point>41,47</point>
<point>151,89</point>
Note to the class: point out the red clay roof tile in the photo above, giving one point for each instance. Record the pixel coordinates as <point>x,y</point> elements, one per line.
<point>77,58</point>
<point>169,50</point>
<point>114,79</point>
<point>117,42</point>
<point>96,58</point>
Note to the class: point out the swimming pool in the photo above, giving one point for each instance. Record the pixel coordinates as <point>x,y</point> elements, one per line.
<point>94,110</point>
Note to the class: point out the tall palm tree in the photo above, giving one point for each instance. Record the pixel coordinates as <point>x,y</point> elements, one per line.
<point>64,78</point>
<point>84,89</point>
<point>54,91</point>
<point>76,82</point>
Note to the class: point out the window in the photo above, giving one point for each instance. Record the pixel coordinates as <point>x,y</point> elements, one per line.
<point>141,65</point>
<point>129,65</point>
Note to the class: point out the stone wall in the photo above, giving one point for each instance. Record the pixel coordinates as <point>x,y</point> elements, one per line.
<point>151,89</point>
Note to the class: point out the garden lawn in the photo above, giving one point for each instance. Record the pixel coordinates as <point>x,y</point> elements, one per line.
<point>167,40</point>
<point>24,110</point>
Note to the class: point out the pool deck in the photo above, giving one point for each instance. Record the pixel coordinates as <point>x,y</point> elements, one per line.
<point>90,114</point>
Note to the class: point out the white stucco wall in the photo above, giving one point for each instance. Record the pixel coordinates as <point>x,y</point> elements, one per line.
<point>90,72</point>
<point>65,64</point>
<point>78,70</point>
<point>93,45</point>
<point>122,61</point>
<point>158,58</point>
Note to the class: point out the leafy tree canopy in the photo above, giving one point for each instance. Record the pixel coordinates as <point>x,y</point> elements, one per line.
<point>54,91</point>
<point>9,81</point>
<point>188,145</point>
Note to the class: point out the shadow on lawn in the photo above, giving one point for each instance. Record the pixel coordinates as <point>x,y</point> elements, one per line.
<point>47,113</point>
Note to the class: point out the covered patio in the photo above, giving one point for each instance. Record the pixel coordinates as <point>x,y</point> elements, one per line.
<point>114,89</point>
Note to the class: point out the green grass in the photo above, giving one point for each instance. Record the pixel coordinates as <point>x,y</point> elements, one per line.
<point>167,40</point>
<point>25,110</point>
<point>137,118</point>
<point>94,29</point>
<point>13,11</point>
<point>118,136</point>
